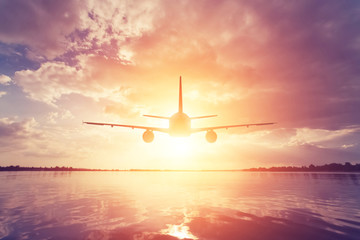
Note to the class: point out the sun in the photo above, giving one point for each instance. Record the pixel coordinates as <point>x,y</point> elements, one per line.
<point>178,153</point>
<point>179,147</point>
<point>175,152</point>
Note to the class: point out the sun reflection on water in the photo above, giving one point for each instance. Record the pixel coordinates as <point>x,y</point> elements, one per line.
<point>179,231</point>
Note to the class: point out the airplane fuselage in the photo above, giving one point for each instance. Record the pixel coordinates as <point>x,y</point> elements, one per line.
<point>180,125</point>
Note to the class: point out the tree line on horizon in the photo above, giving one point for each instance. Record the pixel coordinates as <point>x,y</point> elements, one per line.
<point>57,168</point>
<point>332,167</point>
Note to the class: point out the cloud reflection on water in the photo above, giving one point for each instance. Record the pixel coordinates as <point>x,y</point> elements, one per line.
<point>158,205</point>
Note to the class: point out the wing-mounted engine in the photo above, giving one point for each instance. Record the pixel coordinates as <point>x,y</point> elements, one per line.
<point>211,136</point>
<point>148,136</point>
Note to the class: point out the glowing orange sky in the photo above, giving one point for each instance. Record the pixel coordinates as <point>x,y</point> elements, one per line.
<point>292,63</point>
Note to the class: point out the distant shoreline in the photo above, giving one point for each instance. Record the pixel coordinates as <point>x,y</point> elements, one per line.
<point>333,167</point>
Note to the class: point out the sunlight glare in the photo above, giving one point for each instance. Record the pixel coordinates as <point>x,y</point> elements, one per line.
<point>179,231</point>
<point>180,147</point>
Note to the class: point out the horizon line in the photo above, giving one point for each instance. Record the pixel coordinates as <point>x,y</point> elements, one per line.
<point>335,167</point>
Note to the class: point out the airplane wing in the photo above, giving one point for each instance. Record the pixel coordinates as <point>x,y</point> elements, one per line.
<point>152,116</point>
<point>165,130</point>
<point>199,117</point>
<point>194,130</point>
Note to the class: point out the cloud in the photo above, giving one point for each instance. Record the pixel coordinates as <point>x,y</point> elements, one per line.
<point>14,134</point>
<point>5,80</point>
<point>12,128</point>
<point>296,147</point>
<point>105,26</point>
<point>53,28</point>
<point>55,79</point>
<point>54,117</point>
<point>41,25</point>
<point>27,140</point>
<point>121,110</point>
<point>321,137</point>
<point>301,80</point>
<point>306,79</point>
<point>50,81</point>
<point>294,63</point>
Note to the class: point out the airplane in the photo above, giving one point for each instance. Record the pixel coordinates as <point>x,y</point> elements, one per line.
<point>179,125</point>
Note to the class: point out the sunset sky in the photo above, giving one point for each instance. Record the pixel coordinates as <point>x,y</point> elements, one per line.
<point>296,63</point>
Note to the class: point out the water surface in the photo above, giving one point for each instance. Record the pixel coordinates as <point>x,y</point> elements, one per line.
<point>179,205</point>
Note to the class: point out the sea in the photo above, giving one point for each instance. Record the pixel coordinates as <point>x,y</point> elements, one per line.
<point>179,205</point>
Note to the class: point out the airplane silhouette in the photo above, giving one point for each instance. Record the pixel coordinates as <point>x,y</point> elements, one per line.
<point>179,125</point>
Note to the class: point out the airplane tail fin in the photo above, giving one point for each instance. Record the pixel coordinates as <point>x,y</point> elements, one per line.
<point>180,98</point>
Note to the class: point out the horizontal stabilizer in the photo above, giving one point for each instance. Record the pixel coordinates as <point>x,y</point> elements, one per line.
<point>152,116</point>
<point>203,117</point>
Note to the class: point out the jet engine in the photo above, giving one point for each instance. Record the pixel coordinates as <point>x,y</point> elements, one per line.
<point>211,136</point>
<point>148,136</point>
